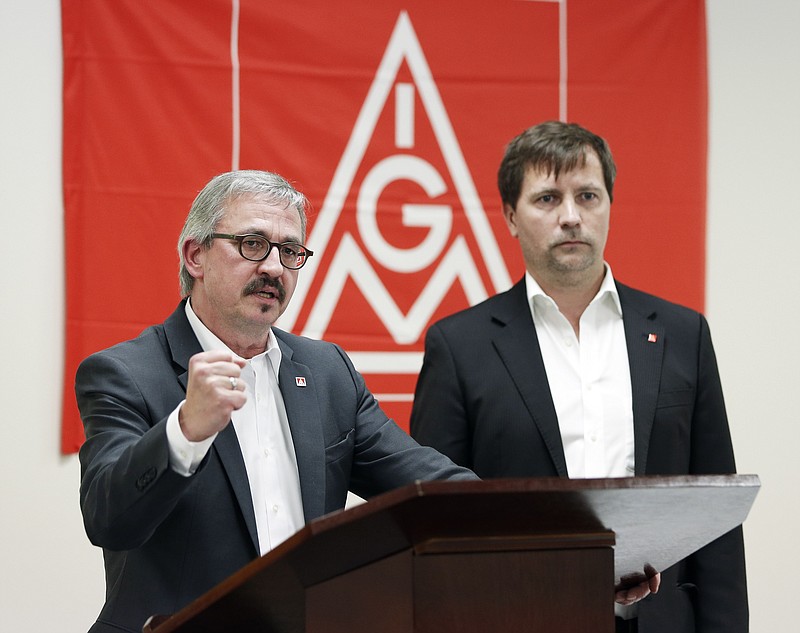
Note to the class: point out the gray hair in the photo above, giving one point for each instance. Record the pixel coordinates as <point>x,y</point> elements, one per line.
<point>208,208</point>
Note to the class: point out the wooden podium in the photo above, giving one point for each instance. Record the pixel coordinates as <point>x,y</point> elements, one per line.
<point>472,557</point>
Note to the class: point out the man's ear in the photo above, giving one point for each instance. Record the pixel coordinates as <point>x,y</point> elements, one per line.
<point>510,215</point>
<point>194,258</point>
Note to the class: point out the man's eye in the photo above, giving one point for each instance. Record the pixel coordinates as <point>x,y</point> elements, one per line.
<point>289,250</point>
<point>253,245</point>
<point>548,200</point>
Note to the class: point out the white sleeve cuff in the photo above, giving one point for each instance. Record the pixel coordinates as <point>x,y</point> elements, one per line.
<point>184,456</point>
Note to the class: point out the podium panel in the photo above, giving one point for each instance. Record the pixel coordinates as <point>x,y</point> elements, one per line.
<point>514,592</point>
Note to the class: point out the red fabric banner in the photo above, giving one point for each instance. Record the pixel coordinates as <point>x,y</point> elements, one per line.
<point>392,117</point>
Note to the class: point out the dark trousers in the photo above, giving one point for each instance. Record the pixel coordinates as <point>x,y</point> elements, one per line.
<point>627,626</point>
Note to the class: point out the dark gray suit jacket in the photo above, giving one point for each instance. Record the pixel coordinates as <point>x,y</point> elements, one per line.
<point>483,399</point>
<point>166,539</point>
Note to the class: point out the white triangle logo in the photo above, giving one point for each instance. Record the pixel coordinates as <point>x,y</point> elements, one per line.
<point>350,262</point>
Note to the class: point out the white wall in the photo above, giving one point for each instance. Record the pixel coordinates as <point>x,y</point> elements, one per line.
<point>51,578</point>
<point>753,297</point>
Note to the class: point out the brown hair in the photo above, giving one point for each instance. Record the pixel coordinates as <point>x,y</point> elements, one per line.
<point>552,146</point>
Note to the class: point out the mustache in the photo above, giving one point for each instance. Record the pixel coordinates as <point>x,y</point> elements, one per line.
<point>571,234</point>
<point>261,283</point>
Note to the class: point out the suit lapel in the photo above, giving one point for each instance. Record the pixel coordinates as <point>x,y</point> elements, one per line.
<point>644,337</point>
<point>299,393</point>
<point>230,455</point>
<point>184,344</point>
<point>517,344</point>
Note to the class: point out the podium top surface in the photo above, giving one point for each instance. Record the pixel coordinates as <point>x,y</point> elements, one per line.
<point>656,520</point>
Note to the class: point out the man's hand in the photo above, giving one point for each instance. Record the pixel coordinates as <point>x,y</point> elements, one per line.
<point>649,585</point>
<point>212,394</point>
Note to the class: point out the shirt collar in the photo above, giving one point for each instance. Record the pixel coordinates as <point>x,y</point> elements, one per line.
<point>210,341</point>
<point>608,288</point>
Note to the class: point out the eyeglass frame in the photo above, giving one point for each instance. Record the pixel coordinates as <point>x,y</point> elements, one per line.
<point>240,238</point>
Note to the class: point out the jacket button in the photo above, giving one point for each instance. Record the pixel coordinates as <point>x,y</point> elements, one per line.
<point>146,479</point>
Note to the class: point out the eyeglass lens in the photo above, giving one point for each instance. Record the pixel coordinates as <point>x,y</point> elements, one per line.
<point>256,248</point>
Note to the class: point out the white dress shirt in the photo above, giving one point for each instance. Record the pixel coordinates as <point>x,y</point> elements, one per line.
<point>590,381</point>
<point>265,439</point>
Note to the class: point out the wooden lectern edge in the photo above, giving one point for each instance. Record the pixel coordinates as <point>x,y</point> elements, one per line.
<point>514,543</point>
<point>422,488</point>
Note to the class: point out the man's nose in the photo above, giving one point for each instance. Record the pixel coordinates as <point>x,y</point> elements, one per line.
<point>271,264</point>
<point>570,214</point>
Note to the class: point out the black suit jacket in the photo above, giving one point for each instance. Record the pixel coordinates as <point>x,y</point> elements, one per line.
<point>166,538</point>
<point>483,399</point>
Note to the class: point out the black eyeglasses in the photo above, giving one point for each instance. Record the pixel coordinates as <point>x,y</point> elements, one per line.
<point>257,248</point>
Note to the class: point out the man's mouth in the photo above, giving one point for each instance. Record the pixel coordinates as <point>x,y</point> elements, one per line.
<point>266,288</point>
<point>573,240</point>
<point>571,243</point>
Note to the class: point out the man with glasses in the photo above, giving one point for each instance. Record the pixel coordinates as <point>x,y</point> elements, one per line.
<point>214,436</point>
